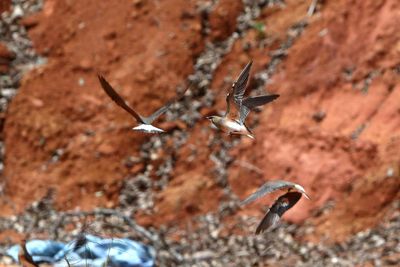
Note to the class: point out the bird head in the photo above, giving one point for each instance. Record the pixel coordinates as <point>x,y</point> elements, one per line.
<point>301,190</point>
<point>211,118</point>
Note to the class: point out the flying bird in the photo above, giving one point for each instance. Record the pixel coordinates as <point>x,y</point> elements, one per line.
<point>228,125</point>
<point>272,186</point>
<point>145,123</point>
<point>281,205</point>
<point>243,105</point>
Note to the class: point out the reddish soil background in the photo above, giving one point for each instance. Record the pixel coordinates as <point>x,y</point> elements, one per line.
<point>5,5</point>
<point>341,75</point>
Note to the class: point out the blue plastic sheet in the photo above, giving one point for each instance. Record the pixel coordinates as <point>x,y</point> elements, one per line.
<point>97,251</point>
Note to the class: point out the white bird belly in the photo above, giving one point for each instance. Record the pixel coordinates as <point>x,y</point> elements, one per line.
<point>147,128</point>
<point>233,126</point>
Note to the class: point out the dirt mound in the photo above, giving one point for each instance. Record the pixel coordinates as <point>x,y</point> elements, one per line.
<point>61,118</point>
<point>337,122</point>
<point>334,129</point>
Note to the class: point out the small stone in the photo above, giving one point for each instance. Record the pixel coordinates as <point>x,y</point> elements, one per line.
<point>136,168</point>
<point>7,260</point>
<point>99,194</point>
<point>81,81</point>
<point>81,25</point>
<point>31,21</point>
<point>137,3</point>
<point>85,64</point>
<point>106,149</point>
<point>389,172</point>
<point>17,13</point>
<point>6,56</point>
<point>36,102</point>
<point>131,161</point>
<point>319,116</point>
<point>334,260</point>
<point>4,68</point>
<point>6,53</point>
<point>110,35</point>
<point>187,14</point>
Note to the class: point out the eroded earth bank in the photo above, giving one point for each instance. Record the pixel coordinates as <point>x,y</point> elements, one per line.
<point>335,128</point>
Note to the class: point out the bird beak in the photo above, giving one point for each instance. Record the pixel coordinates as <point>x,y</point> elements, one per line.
<point>301,190</point>
<point>251,136</point>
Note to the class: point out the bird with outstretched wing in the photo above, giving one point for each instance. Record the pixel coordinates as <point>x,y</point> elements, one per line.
<point>281,205</point>
<point>145,123</point>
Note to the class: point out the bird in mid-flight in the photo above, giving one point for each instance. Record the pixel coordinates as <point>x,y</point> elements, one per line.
<point>281,205</point>
<point>243,105</point>
<point>145,123</point>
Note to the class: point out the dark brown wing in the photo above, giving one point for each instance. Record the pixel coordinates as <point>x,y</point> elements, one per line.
<point>239,87</point>
<point>164,108</point>
<point>257,101</point>
<point>118,99</point>
<point>268,188</point>
<point>281,205</point>
<point>269,220</point>
<point>251,102</point>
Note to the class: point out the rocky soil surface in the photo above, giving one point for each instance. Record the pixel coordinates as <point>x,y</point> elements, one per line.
<point>70,162</point>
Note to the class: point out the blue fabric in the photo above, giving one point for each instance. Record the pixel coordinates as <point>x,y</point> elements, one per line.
<point>118,252</point>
